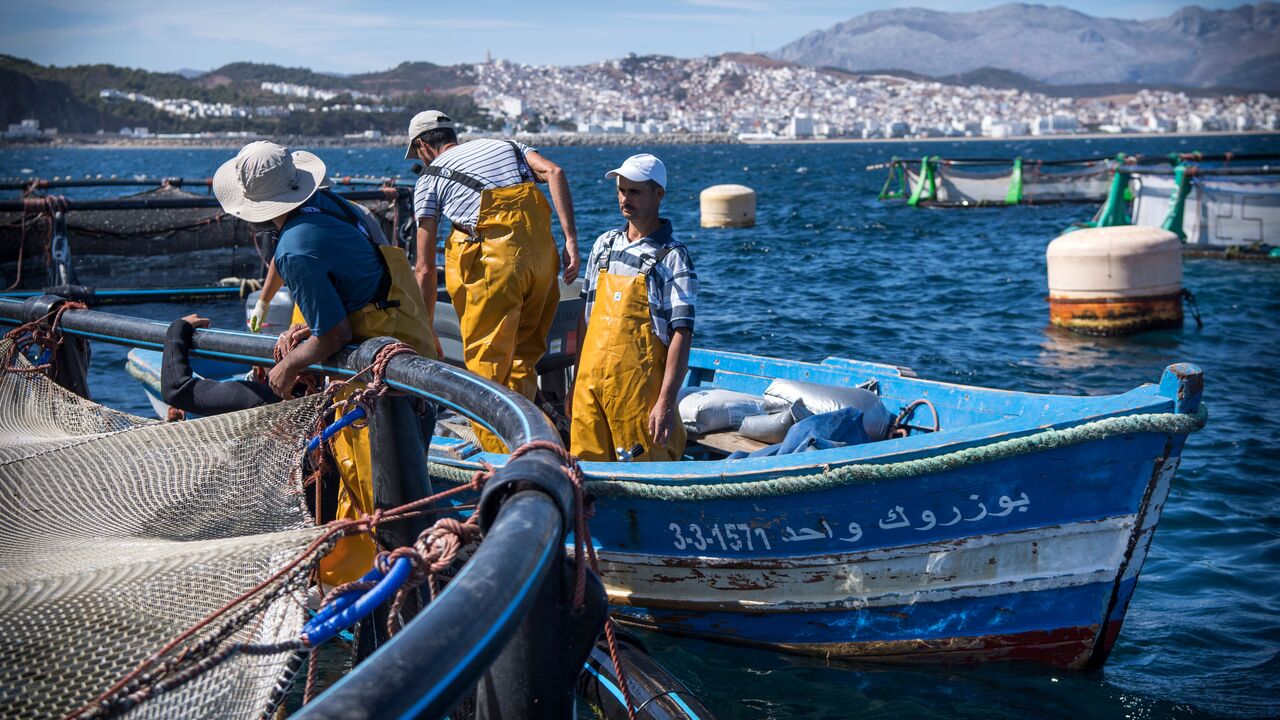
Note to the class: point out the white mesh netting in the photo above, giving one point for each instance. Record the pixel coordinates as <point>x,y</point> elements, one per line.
<point>119,533</point>
<point>1222,211</point>
<point>1039,185</point>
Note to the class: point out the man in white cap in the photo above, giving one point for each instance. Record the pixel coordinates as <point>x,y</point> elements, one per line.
<point>345,288</point>
<point>640,289</point>
<point>500,259</point>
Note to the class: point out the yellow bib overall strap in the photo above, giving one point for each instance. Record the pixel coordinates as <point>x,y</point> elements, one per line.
<point>620,376</point>
<point>353,555</point>
<point>502,281</point>
<point>397,309</point>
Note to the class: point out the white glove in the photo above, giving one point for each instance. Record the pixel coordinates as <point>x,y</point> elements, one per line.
<point>258,315</point>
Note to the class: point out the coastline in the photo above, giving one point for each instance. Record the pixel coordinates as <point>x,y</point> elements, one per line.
<point>564,140</point>
<point>1018,138</point>
<point>116,142</point>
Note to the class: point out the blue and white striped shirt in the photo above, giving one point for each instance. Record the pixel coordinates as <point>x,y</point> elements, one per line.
<point>672,285</point>
<point>493,162</point>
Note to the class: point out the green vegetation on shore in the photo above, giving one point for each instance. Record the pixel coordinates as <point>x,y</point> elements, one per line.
<point>68,98</point>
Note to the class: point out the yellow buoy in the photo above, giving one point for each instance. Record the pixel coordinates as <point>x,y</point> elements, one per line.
<point>728,206</point>
<point>1115,280</point>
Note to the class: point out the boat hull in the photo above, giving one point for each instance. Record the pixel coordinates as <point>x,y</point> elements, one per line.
<point>1048,580</point>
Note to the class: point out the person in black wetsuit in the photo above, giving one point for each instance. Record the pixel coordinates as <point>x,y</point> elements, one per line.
<point>181,389</point>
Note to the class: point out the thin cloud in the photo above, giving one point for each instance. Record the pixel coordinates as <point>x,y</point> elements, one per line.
<point>744,5</point>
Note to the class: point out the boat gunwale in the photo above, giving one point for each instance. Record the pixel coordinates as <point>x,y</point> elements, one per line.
<point>1039,412</point>
<point>1146,398</point>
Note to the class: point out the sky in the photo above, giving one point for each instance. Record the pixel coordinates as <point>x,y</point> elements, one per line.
<point>357,36</point>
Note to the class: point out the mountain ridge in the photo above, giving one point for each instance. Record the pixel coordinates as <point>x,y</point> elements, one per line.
<point>1055,45</point>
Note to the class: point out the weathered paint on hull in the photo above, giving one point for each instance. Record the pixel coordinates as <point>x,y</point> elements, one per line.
<point>1057,619</point>
<point>1068,648</point>
<point>1049,580</point>
<point>1116,316</point>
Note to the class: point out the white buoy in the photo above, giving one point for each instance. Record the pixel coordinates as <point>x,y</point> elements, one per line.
<point>728,206</point>
<point>1115,280</point>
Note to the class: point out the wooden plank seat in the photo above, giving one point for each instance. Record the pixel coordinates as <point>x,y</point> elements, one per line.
<point>726,442</point>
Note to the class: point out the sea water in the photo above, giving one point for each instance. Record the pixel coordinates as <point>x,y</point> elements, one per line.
<point>959,296</point>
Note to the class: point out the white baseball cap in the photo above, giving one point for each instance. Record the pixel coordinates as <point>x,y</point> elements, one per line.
<point>639,168</point>
<point>264,180</point>
<point>422,122</point>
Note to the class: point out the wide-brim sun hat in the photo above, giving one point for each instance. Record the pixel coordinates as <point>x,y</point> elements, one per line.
<point>264,180</point>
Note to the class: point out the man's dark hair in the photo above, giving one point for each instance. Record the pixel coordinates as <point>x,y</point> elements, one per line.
<point>439,137</point>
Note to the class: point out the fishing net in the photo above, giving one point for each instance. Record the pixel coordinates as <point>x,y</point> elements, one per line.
<point>144,248</point>
<point>1076,184</point>
<point>119,533</point>
<point>1039,184</point>
<point>1224,211</point>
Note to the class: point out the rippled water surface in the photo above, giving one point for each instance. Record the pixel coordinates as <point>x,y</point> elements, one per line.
<point>958,295</point>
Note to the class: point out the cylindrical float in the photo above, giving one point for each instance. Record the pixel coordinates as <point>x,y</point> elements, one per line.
<point>728,206</point>
<point>1115,280</point>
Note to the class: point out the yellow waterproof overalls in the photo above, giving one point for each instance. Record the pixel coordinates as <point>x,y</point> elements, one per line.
<point>620,373</point>
<point>501,277</point>
<point>397,311</point>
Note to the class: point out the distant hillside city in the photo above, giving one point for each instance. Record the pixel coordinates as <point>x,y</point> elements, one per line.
<point>787,94</point>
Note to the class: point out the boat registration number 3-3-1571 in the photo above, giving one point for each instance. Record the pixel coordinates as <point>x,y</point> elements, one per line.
<point>739,537</point>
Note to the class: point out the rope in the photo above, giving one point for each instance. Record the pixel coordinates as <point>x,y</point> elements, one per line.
<point>35,208</point>
<point>246,285</point>
<point>899,427</point>
<point>1170,423</point>
<point>297,334</point>
<point>48,337</point>
<point>377,385</point>
<point>434,552</point>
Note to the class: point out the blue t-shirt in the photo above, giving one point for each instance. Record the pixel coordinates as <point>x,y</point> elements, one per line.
<point>329,267</point>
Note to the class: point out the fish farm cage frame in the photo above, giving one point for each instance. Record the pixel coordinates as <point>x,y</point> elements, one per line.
<point>491,623</point>
<point>1023,171</point>
<point>47,214</point>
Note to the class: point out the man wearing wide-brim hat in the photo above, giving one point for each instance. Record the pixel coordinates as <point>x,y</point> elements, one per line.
<point>345,288</point>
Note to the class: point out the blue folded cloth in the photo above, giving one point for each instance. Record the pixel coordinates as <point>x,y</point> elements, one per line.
<point>818,432</point>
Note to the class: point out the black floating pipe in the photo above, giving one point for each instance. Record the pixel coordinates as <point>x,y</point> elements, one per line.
<point>1204,171</point>
<point>512,417</point>
<point>128,296</point>
<point>171,203</point>
<point>1026,161</point>
<point>380,182</point>
<point>70,182</point>
<point>992,161</point>
<point>58,182</point>
<point>400,472</point>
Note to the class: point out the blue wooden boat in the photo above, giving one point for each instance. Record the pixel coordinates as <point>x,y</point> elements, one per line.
<point>1017,531</point>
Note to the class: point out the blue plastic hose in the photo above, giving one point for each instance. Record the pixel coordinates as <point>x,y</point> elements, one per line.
<point>328,432</point>
<point>325,625</point>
